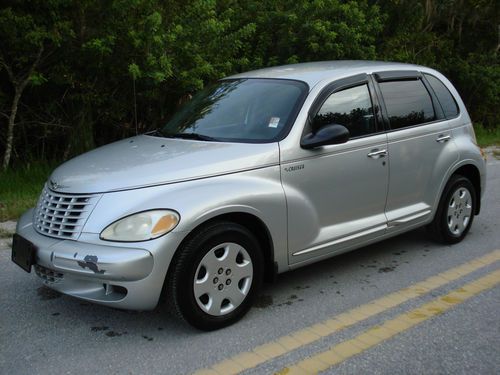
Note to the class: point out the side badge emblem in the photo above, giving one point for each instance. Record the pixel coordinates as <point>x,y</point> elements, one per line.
<point>294,168</point>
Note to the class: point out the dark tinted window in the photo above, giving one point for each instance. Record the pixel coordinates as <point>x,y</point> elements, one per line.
<point>350,107</point>
<point>408,103</point>
<point>445,98</point>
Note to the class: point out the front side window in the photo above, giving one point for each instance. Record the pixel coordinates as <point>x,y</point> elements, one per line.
<point>351,108</point>
<point>408,103</point>
<point>243,110</point>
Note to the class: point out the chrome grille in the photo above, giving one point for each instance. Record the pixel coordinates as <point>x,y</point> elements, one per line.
<point>62,215</point>
<point>47,275</point>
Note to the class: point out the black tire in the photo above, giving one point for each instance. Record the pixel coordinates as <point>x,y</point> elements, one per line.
<point>440,226</point>
<point>180,286</point>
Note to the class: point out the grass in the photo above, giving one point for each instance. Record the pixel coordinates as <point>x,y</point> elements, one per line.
<point>487,137</point>
<point>20,188</point>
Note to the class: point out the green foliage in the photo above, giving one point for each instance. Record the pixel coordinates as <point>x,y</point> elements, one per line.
<point>298,31</point>
<point>134,70</point>
<point>487,136</point>
<point>25,26</point>
<point>477,77</point>
<point>101,57</point>
<point>20,188</point>
<point>37,79</point>
<point>459,38</point>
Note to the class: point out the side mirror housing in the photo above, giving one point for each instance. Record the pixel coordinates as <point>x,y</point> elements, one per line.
<point>328,135</point>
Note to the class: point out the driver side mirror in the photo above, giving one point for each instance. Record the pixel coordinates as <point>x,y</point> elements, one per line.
<point>327,135</point>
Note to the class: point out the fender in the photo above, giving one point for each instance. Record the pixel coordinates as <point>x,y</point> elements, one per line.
<point>452,171</point>
<point>257,192</point>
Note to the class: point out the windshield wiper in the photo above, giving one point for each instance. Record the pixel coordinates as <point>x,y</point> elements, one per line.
<point>195,136</point>
<point>155,132</point>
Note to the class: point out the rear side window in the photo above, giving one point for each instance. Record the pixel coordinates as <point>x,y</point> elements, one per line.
<point>447,101</point>
<point>352,108</point>
<point>408,103</point>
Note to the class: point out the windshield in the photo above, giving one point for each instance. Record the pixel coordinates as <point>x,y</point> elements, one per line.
<point>244,110</point>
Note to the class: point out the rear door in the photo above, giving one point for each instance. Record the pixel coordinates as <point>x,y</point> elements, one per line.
<point>420,147</point>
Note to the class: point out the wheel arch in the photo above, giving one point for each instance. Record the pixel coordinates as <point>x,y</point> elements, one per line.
<point>255,225</point>
<point>469,169</point>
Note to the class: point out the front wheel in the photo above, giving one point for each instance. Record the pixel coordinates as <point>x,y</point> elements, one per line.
<point>455,211</point>
<point>216,275</point>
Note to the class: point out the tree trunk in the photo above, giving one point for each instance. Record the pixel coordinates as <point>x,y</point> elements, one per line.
<point>19,86</point>
<point>10,128</point>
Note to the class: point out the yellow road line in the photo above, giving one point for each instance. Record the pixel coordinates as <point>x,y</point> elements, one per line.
<point>377,334</point>
<point>271,350</point>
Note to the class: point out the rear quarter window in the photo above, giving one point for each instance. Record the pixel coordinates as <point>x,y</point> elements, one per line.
<point>446,99</point>
<point>408,103</point>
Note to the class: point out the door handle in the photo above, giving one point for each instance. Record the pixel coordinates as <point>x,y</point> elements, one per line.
<point>443,138</point>
<point>375,154</point>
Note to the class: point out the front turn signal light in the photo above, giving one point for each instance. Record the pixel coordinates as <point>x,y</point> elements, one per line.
<point>142,226</point>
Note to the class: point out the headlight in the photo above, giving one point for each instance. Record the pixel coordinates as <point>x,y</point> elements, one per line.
<point>142,226</point>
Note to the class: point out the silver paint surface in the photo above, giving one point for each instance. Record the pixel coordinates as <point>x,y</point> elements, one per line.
<point>146,161</point>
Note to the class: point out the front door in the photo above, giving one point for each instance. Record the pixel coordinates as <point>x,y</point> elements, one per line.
<point>336,194</point>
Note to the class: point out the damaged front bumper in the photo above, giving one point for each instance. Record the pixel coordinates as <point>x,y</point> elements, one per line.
<point>120,276</point>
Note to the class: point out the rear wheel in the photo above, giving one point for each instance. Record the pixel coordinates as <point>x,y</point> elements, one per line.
<point>455,211</point>
<point>216,275</point>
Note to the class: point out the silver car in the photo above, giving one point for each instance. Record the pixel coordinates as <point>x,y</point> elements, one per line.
<point>260,173</point>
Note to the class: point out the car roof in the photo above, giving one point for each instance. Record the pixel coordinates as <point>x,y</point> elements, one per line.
<point>314,72</point>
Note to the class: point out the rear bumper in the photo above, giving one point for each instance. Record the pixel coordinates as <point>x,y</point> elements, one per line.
<point>113,274</point>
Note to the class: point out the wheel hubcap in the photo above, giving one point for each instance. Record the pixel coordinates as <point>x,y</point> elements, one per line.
<point>459,211</point>
<point>223,279</point>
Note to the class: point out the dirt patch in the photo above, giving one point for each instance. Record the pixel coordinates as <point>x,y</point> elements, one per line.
<point>386,269</point>
<point>7,229</point>
<point>99,328</point>
<point>5,244</point>
<point>4,233</point>
<point>263,301</point>
<point>8,226</point>
<point>115,334</point>
<point>301,287</point>
<point>46,293</point>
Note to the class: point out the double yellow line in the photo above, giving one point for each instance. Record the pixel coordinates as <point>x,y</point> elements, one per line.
<point>375,335</point>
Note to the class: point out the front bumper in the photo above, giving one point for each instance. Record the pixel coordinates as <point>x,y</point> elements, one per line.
<point>113,274</point>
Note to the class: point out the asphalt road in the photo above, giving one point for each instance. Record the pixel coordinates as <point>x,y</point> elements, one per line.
<point>44,332</point>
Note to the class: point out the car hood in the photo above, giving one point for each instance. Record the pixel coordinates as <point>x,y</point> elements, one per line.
<point>146,160</point>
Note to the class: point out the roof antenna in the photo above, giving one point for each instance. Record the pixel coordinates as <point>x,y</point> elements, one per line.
<point>135,108</point>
